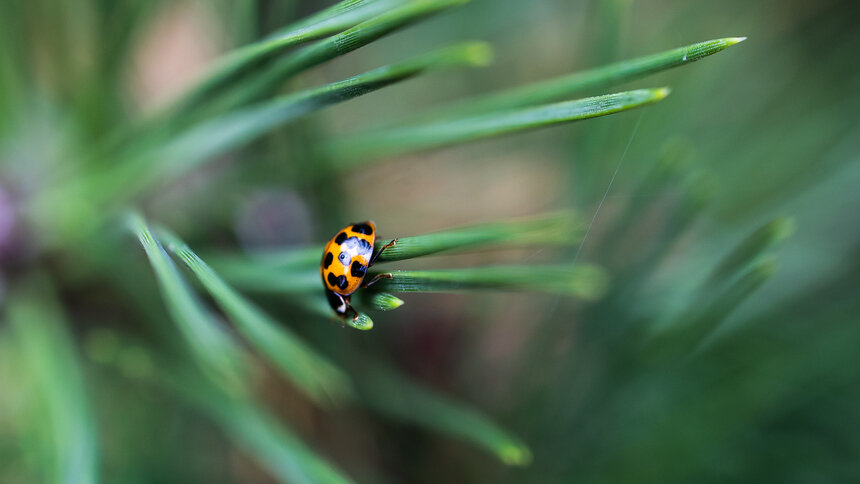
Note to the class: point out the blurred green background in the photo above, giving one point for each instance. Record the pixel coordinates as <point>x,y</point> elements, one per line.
<point>702,326</point>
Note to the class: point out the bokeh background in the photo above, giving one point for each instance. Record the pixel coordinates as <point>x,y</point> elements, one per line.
<point>725,348</point>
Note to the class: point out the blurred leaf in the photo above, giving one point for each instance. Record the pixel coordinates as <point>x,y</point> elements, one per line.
<point>310,371</point>
<point>332,47</point>
<point>239,63</point>
<point>749,394</point>
<point>219,355</point>
<point>751,248</point>
<point>686,333</point>
<point>737,276</point>
<point>334,19</point>
<point>365,147</point>
<point>259,433</point>
<point>397,396</point>
<point>263,437</point>
<point>211,138</point>
<point>272,444</point>
<point>584,281</point>
<point>49,357</point>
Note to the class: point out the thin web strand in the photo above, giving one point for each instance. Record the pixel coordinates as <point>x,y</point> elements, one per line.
<point>609,187</point>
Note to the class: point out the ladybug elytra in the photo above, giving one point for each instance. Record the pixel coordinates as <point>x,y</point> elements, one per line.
<point>345,261</point>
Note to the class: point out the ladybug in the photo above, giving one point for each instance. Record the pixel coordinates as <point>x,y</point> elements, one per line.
<point>344,264</point>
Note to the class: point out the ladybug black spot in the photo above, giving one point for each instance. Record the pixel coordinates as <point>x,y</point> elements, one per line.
<point>337,281</point>
<point>365,229</point>
<point>340,238</point>
<point>328,260</point>
<point>358,269</point>
<point>341,282</point>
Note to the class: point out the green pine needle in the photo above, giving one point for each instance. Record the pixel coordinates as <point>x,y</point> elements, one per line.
<point>310,371</point>
<point>332,20</point>
<point>385,302</point>
<point>365,147</point>
<point>332,47</point>
<point>218,353</point>
<point>362,323</point>
<point>688,331</point>
<point>397,396</point>
<point>751,248</point>
<point>561,228</point>
<point>584,281</point>
<point>262,435</point>
<point>209,139</point>
<point>48,358</point>
<point>297,270</point>
<point>612,74</point>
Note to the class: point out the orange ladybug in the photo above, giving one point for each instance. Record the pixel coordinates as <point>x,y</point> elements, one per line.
<point>344,264</point>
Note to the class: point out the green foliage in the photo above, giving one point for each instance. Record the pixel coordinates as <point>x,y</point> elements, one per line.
<point>383,301</point>
<point>563,228</point>
<point>459,129</point>
<point>257,431</point>
<point>51,367</point>
<point>395,396</point>
<point>295,271</point>
<point>313,373</point>
<point>587,282</point>
<point>217,352</point>
<point>751,248</point>
<point>296,361</point>
<point>608,75</point>
<point>243,60</point>
<point>700,361</point>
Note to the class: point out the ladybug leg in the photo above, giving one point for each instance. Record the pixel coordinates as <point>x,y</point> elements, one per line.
<point>349,309</point>
<point>381,250</point>
<point>354,314</point>
<point>378,277</point>
<point>346,311</point>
